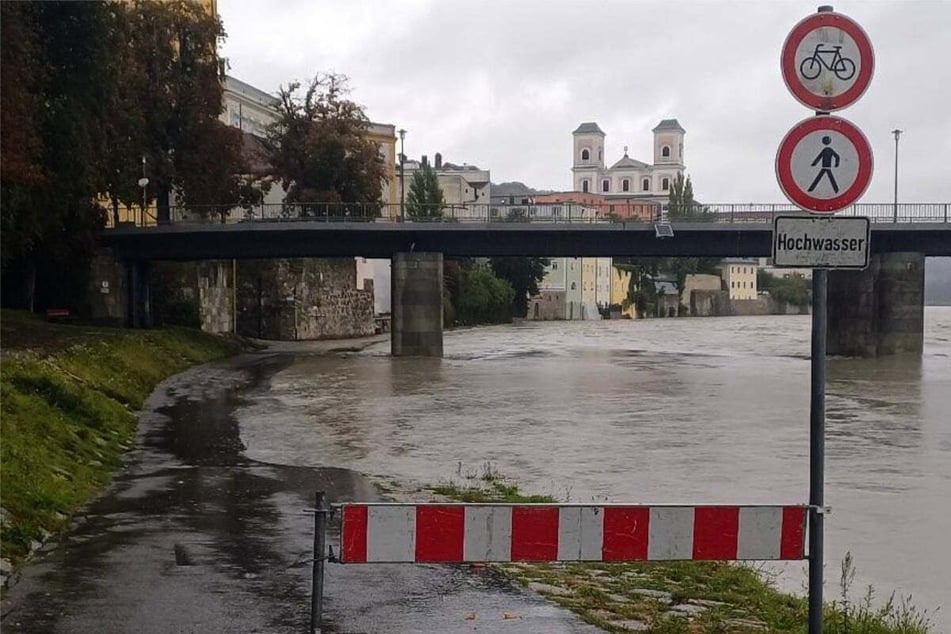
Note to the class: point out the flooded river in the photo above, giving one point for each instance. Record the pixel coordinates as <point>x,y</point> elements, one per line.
<point>685,410</point>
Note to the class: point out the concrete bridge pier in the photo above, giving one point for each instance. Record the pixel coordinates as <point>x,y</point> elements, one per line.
<point>416,297</point>
<point>878,311</point>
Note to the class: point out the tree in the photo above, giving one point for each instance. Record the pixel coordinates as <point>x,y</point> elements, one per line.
<point>59,51</point>
<point>214,174</point>
<point>172,70</point>
<point>680,198</point>
<point>484,298</point>
<point>89,88</point>
<point>523,274</point>
<point>319,149</point>
<point>425,198</point>
<point>681,204</point>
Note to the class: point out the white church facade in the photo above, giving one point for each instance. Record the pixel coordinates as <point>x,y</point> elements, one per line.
<point>627,178</point>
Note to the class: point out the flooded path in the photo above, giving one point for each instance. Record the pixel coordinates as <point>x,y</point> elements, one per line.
<point>196,537</point>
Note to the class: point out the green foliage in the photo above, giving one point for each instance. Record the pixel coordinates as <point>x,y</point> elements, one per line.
<point>67,418</point>
<point>792,289</point>
<point>89,89</point>
<point>484,298</point>
<point>681,205</point>
<point>425,197</point>
<point>319,149</point>
<point>523,274</point>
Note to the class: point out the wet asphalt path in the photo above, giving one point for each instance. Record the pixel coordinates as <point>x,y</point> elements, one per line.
<point>194,537</point>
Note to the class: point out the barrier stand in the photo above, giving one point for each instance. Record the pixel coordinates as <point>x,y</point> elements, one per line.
<point>320,511</point>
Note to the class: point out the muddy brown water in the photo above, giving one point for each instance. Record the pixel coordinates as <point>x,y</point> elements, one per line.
<point>687,410</point>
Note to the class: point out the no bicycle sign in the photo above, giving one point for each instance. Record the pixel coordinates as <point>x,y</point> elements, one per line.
<point>827,61</point>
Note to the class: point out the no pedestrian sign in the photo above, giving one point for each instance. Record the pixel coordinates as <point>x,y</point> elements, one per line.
<point>824,164</point>
<point>827,61</point>
<point>808,242</point>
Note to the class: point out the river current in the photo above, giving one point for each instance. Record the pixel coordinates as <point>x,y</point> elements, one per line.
<point>666,410</point>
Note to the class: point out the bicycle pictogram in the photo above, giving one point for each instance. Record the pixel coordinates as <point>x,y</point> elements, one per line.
<point>829,58</point>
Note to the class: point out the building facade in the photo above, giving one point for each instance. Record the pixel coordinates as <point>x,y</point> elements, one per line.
<point>739,277</point>
<point>466,189</point>
<point>627,177</point>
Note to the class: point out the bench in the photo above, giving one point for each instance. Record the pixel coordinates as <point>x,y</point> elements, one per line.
<point>57,314</point>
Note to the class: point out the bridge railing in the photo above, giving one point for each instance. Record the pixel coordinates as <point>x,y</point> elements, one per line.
<point>547,213</point>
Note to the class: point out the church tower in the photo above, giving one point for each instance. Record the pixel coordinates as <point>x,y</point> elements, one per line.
<point>588,162</point>
<point>669,144</point>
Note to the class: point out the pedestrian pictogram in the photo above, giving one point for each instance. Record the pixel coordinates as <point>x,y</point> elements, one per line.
<point>827,61</point>
<point>826,156</point>
<point>824,164</point>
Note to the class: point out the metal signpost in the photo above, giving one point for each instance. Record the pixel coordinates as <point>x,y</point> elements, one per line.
<point>823,165</point>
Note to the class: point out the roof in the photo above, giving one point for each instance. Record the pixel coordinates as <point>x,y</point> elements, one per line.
<point>665,288</point>
<point>236,85</point>
<point>627,161</point>
<point>668,124</point>
<point>589,127</point>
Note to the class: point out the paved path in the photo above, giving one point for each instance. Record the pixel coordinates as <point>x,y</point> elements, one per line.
<point>193,537</point>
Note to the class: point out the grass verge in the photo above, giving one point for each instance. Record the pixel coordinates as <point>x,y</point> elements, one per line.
<point>683,596</point>
<point>67,413</point>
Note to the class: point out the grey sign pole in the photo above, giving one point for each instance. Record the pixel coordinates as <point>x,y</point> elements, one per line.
<point>817,448</point>
<point>317,580</point>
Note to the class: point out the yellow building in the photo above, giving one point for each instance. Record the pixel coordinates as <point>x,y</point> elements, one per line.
<point>739,277</point>
<point>620,283</point>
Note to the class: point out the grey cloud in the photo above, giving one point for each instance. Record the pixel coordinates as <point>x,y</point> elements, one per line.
<point>502,84</point>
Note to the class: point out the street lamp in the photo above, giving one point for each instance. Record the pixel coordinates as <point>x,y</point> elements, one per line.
<point>402,134</point>
<point>143,183</point>
<point>897,134</point>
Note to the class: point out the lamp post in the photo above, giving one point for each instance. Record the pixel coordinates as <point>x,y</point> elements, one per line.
<point>143,183</point>
<point>897,134</point>
<point>402,134</point>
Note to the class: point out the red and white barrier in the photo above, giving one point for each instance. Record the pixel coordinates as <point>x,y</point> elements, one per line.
<point>391,533</point>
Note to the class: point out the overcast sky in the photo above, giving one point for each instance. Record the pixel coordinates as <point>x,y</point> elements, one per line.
<point>501,84</point>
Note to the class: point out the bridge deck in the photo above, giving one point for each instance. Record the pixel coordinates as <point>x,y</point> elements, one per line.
<point>382,239</point>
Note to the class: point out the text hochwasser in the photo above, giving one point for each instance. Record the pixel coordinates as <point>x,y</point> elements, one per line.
<point>807,243</point>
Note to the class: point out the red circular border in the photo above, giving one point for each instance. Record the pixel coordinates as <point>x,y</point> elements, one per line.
<point>784,164</point>
<point>791,76</point>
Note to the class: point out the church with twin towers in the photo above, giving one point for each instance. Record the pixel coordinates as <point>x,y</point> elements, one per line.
<point>628,177</point>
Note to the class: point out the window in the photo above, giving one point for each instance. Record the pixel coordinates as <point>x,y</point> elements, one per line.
<point>584,186</point>
<point>665,151</point>
<point>625,185</point>
<point>573,286</point>
<point>665,184</point>
<point>732,284</point>
<point>605,185</point>
<point>599,154</point>
<point>646,185</point>
<point>554,265</point>
<point>585,155</point>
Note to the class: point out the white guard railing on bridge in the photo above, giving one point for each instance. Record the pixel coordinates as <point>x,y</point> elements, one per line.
<point>606,212</point>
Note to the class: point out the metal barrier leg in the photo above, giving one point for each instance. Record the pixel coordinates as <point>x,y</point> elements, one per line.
<point>317,582</point>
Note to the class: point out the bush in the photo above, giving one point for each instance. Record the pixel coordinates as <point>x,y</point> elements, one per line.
<point>484,298</point>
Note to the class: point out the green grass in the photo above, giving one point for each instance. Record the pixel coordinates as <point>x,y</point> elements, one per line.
<point>605,594</point>
<point>66,418</point>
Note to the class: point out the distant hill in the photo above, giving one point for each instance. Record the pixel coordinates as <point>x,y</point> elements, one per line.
<point>515,188</point>
<point>938,281</point>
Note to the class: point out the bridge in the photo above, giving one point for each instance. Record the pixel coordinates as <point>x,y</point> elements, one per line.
<point>871,311</point>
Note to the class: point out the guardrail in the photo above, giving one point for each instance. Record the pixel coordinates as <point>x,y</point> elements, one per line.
<point>548,213</point>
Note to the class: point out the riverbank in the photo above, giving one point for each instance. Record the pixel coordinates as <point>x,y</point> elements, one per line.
<point>70,394</point>
<point>678,596</point>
